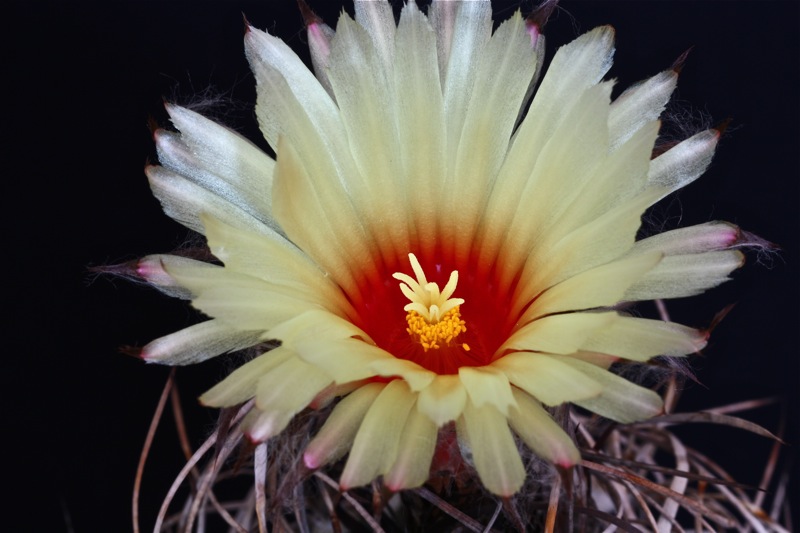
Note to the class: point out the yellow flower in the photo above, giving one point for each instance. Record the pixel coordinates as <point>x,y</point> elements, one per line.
<point>425,251</point>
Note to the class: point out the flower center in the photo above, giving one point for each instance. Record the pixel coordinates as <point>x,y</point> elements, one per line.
<point>433,316</point>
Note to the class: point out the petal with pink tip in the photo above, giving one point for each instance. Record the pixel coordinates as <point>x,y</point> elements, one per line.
<point>282,393</point>
<point>375,447</point>
<point>337,434</point>
<point>241,384</point>
<point>198,343</point>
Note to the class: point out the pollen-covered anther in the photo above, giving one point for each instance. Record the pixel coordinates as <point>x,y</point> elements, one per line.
<point>434,336</point>
<point>434,319</point>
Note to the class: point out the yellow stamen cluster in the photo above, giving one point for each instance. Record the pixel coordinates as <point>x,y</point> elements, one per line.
<point>431,336</point>
<point>433,317</point>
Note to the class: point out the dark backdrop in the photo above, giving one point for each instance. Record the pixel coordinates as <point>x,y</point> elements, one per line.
<point>84,79</point>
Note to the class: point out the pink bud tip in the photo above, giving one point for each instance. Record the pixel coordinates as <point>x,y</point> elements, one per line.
<point>311,462</point>
<point>534,32</point>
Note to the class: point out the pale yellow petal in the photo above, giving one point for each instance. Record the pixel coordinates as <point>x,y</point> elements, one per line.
<point>420,122</point>
<point>549,379</point>
<point>602,286</point>
<point>376,445</point>
<point>337,434</point>
<point>472,29</point>
<point>365,102</point>
<point>417,377</point>
<point>315,212</point>
<point>596,243</point>
<point>319,44</point>
<point>315,324</point>
<point>575,67</point>
<point>442,16</point>
<point>711,236</point>
<point>487,385</point>
<point>505,67</point>
<point>540,432</point>
<point>344,360</point>
<point>485,433</point>
<point>415,452</point>
<point>286,88</point>
<point>563,333</point>
<point>569,158</point>
<point>242,301</point>
<point>443,400</point>
<point>240,385</point>
<point>275,260</point>
<point>617,178</point>
<point>282,393</point>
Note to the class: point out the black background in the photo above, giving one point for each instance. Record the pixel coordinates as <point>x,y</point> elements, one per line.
<point>84,79</point>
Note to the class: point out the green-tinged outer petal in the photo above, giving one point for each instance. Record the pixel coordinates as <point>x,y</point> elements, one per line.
<point>415,452</point>
<point>241,384</point>
<point>620,400</point>
<point>337,434</point>
<point>487,385</point>
<point>375,447</point>
<point>548,378</point>
<point>494,452</point>
<point>640,339</point>
<point>443,400</point>
<point>540,432</point>
<point>198,343</point>
<point>677,276</point>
